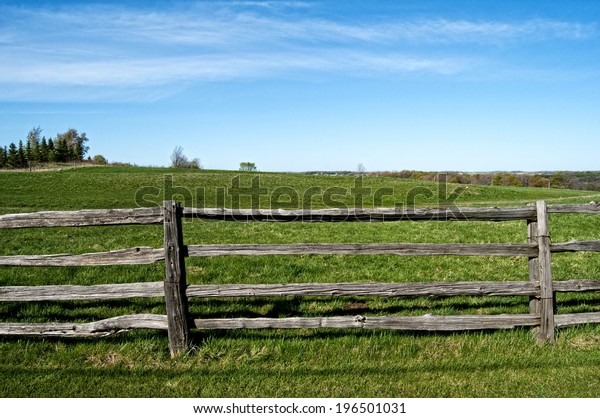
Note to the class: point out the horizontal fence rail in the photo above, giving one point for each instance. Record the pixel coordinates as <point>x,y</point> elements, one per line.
<point>115,325</point>
<point>176,292</point>
<point>148,255</point>
<point>154,215</point>
<point>91,217</point>
<point>364,215</point>
<point>525,250</point>
<point>138,255</point>
<point>156,289</point>
<point>111,326</point>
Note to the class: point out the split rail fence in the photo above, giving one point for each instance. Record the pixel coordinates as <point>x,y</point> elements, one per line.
<point>540,287</point>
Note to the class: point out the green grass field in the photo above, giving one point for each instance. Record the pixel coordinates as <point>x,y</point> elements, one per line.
<point>291,363</point>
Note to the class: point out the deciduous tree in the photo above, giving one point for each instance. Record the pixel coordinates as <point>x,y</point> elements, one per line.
<point>178,158</point>
<point>247,166</point>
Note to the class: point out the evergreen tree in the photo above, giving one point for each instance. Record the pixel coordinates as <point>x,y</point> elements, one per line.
<point>67,146</point>
<point>62,149</point>
<point>21,158</point>
<point>28,152</point>
<point>12,155</point>
<point>3,157</point>
<point>73,145</point>
<point>51,151</point>
<point>43,152</point>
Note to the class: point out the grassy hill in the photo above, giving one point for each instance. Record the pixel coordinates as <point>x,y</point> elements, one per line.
<point>290,363</point>
<point>117,187</point>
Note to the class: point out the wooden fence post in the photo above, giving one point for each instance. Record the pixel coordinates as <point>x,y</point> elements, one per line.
<point>532,238</point>
<point>546,332</point>
<point>175,281</point>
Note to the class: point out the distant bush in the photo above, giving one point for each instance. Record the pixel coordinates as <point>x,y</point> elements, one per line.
<point>100,160</point>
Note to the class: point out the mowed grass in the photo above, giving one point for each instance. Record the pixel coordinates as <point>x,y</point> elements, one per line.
<point>291,363</point>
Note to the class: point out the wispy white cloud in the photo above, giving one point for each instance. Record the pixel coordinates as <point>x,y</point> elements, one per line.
<point>228,26</point>
<point>164,70</point>
<point>119,47</point>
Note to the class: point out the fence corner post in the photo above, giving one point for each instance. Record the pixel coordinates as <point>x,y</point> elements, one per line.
<point>546,331</point>
<point>175,279</point>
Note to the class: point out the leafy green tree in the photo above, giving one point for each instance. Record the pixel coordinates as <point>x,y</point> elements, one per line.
<point>561,180</point>
<point>82,148</point>
<point>247,166</point>
<point>71,146</point>
<point>100,160</point>
<point>195,164</point>
<point>33,144</point>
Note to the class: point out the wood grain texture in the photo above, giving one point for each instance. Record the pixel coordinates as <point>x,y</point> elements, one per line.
<point>100,328</point>
<point>408,323</point>
<point>366,289</point>
<point>211,250</point>
<point>576,286</point>
<point>156,289</point>
<point>124,323</point>
<point>363,214</point>
<point>175,280</point>
<point>533,267</point>
<point>153,215</point>
<point>137,255</point>
<point>569,320</point>
<point>88,217</point>
<point>573,246</point>
<point>592,208</point>
<point>80,292</point>
<point>546,331</point>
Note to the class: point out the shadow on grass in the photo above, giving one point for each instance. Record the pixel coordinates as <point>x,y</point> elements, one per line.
<point>77,381</point>
<point>340,306</point>
<point>78,311</point>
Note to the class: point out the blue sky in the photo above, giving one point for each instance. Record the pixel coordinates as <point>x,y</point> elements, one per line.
<point>310,85</point>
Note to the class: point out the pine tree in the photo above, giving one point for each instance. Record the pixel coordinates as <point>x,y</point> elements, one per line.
<point>3,157</point>
<point>62,150</point>
<point>51,151</point>
<point>28,152</point>
<point>12,155</point>
<point>68,146</point>
<point>43,152</point>
<point>21,158</point>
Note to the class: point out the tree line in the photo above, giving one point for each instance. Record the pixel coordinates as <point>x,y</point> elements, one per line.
<point>577,180</point>
<point>69,146</point>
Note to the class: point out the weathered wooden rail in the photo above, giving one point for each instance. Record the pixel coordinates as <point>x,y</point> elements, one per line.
<point>540,287</point>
